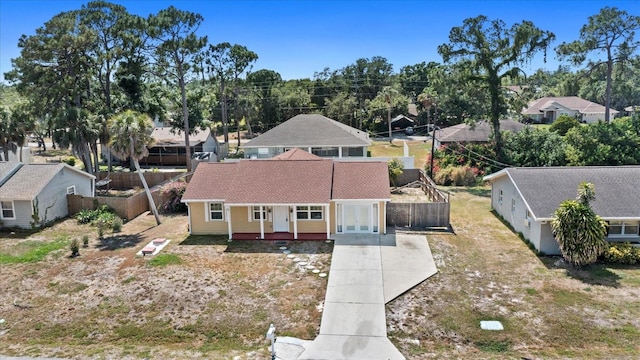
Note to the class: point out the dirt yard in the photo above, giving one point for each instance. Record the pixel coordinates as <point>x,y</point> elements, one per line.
<point>204,297</point>
<point>215,300</point>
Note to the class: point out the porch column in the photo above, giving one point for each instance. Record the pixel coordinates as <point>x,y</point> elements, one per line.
<point>328,217</point>
<point>294,215</point>
<point>261,222</point>
<point>227,211</point>
<point>339,151</point>
<point>384,218</point>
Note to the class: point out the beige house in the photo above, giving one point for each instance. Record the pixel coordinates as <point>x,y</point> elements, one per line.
<point>295,195</point>
<point>547,109</point>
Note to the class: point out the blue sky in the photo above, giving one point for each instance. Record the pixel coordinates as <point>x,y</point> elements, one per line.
<point>299,38</point>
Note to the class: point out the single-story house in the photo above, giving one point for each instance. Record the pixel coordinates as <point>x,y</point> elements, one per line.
<point>313,133</point>
<point>295,195</point>
<point>401,122</point>
<point>547,109</point>
<point>39,190</point>
<point>169,147</point>
<point>528,197</point>
<point>476,133</point>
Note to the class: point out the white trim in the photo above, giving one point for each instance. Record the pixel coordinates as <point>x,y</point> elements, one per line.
<point>328,216</point>
<point>261,222</point>
<point>13,210</point>
<point>295,222</point>
<point>309,211</point>
<point>227,210</point>
<point>209,211</point>
<point>189,215</point>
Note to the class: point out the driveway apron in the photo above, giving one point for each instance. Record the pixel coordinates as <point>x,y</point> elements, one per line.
<point>353,321</point>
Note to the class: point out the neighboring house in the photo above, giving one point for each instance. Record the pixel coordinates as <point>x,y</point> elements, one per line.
<point>39,189</point>
<point>528,197</point>
<point>401,122</point>
<point>295,195</point>
<point>632,110</point>
<point>477,133</point>
<point>169,147</point>
<point>15,156</point>
<point>547,109</point>
<point>313,133</point>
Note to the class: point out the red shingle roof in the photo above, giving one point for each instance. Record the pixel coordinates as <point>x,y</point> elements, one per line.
<point>296,154</point>
<point>360,180</point>
<point>286,181</point>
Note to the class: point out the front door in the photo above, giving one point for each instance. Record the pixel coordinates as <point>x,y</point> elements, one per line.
<point>357,218</point>
<point>281,219</point>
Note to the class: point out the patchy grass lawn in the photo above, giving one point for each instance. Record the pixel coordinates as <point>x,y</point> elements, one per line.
<point>210,298</point>
<point>487,273</point>
<point>202,296</point>
<point>419,150</point>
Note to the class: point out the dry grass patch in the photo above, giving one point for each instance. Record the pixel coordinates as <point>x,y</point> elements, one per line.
<point>487,273</point>
<point>208,298</point>
<point>417,149</point>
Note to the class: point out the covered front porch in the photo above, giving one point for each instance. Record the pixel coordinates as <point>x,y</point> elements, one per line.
<point>278,221</point>
<point>281,236</point>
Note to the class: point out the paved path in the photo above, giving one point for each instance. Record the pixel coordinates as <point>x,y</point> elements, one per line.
<point>366,272</point>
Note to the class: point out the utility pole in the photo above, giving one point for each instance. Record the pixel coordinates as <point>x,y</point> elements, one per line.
<point>433,139</point>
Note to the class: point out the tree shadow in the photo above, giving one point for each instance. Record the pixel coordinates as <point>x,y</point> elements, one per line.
<point>595,274</point>
<point>115,242</point>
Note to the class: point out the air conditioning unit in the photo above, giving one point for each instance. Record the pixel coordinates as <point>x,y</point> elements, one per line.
<point>527,223</point>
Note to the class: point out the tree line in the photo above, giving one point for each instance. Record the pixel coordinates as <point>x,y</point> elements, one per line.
<point>82,67</point>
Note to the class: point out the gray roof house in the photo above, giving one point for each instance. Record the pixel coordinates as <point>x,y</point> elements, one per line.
<point>547,109</point>
<point>476,133</point>
<point>528,197</point>
<point>313,133</point>
<point>39,189</point>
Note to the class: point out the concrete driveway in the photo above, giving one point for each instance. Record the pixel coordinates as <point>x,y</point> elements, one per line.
<point>367,271</point>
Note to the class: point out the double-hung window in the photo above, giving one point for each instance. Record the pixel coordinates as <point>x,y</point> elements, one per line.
<point>256,213</point>
<point>623,228</point>
<point>216,212</point>
<point>309,212</point>
<point>7,210</point>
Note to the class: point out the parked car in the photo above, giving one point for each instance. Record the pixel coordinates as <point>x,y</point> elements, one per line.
<point>408,131</point>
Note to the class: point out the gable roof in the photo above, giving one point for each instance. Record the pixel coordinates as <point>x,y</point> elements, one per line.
<point>7,168</point>
<point>296,154</point>
<point>480,132</point>
<point>168,137</point>
<point>30,180</point>
<point>288,181</point>
<point>568,102</point>
<point>544,188</point>
<point>307,130</point>
<point>360,180</point>
<point>401,120</point>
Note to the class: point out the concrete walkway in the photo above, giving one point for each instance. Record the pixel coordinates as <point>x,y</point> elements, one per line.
<point>367,271</point>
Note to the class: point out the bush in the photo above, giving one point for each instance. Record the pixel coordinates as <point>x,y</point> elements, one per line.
<point>117,225</point>
<point>456,175</point>
<point>85,241</point>
<point>563,124</point>
<point>74,246</point>
<point>622,253</point>
<point>71,161</point>
<point>173,191</point>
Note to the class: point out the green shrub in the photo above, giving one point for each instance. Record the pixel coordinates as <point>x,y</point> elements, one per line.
<point>116,226</point>
<point>85,216</point>
<point>71,161</point>
<point>443,176</point>
<point>85,241</point>
<point>74,246</point>
<point>622,253</point>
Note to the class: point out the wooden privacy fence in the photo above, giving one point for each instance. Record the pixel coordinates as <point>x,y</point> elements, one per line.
<point>129,180</point>
<point>418,215</point>
<point>126,207</point>
<point>421,215</point>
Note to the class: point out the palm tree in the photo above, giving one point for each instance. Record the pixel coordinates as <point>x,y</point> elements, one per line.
<point>579,231</point>
<point>389,94</point>
<point>130,135</point>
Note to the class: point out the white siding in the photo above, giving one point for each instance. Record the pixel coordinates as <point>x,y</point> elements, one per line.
<point>52,200</point>
<point>22,211</point>
<point>538,234</point>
